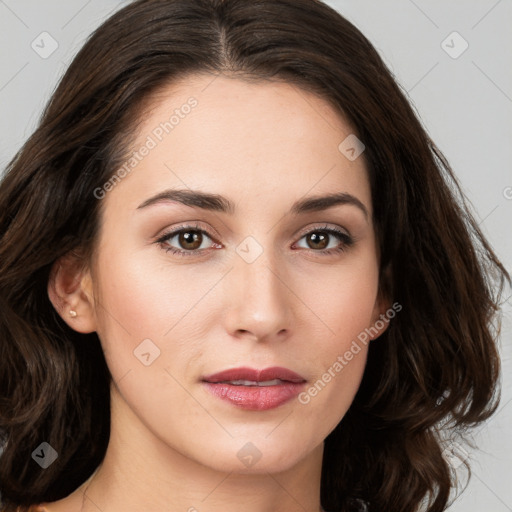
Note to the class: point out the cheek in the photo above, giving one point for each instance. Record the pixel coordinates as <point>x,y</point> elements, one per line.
<point>138,302</point>
<point>343,300</point>
<point>339,363</point>
<point>343,307</point>
<point>127,309</point>
<point>145,300</point>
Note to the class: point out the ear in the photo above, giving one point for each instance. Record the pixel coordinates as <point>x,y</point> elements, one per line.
<point>383,310</point>
<point>70,292</point>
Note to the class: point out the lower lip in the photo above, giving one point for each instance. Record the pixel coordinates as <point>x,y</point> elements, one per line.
<point>255,398</point>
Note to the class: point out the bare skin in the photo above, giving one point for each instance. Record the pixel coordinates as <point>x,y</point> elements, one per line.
<point>174,446</point>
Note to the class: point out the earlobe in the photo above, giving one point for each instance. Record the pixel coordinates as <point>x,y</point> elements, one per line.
<point>70,292</point>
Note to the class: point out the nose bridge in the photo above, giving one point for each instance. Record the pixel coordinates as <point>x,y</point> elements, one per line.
<point>259,301</point>
<point>260,278</point>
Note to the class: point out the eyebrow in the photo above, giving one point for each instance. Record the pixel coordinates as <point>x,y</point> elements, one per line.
<point>218,203</point>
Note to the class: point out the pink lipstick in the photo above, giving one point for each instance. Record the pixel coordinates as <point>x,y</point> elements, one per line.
<point>256,390</point>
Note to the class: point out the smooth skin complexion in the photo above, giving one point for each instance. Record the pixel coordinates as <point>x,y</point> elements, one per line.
<point>173,447</point>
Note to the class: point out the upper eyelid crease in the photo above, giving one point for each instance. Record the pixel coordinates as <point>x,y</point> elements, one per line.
<point>218,203</point>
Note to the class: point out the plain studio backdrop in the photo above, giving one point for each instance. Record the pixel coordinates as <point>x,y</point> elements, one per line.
<point>453,60</point>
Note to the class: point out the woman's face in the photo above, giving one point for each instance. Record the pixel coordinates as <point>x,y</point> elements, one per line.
<point>258,277</point>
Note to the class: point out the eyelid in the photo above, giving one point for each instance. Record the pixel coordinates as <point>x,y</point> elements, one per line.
<point>333,230</point>
<point>323,226</point>
<point>189,225</point>
<point>194,225</point>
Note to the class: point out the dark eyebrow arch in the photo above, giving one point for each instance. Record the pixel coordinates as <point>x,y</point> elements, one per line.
<point>218,203</point>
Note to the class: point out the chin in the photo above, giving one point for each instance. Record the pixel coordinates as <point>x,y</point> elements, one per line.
<point>258,455</point>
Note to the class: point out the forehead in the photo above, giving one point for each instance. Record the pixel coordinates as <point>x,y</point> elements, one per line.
<point>244,140</point>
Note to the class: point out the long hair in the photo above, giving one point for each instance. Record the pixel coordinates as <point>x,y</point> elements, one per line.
<point>437,361</point>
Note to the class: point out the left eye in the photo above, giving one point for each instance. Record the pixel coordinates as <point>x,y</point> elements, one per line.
<point>324,239</point>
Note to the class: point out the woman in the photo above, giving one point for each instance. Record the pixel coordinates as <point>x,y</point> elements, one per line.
<point>236,270</point>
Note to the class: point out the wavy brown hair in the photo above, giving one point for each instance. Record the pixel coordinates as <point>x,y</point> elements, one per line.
<point>436,362</point>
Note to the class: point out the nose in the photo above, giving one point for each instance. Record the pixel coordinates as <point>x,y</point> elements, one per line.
<point>259,304</point>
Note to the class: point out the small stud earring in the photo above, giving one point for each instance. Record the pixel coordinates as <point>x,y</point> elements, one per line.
<point>72,313</point>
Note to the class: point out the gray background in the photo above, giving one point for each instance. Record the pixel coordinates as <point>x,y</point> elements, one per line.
<point>464,102</point>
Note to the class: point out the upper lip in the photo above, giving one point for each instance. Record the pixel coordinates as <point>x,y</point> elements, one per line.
<point>251,374</point>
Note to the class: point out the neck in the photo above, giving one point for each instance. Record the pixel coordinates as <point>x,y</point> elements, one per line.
<point>140,472</point>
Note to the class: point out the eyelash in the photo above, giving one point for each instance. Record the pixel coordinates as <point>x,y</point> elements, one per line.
<point>346,240</point>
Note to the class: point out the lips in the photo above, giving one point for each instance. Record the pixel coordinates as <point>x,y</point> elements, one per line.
<point>257,376</point>
<point>256,390</point>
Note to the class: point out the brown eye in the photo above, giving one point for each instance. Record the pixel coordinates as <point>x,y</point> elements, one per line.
<point>186,241</point>
<point>318,240</point>
<point>326,241</point>
<point>190,240</point>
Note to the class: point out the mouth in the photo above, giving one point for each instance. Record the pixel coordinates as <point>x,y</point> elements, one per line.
<point>274,382</point>
<point>256,390</point>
